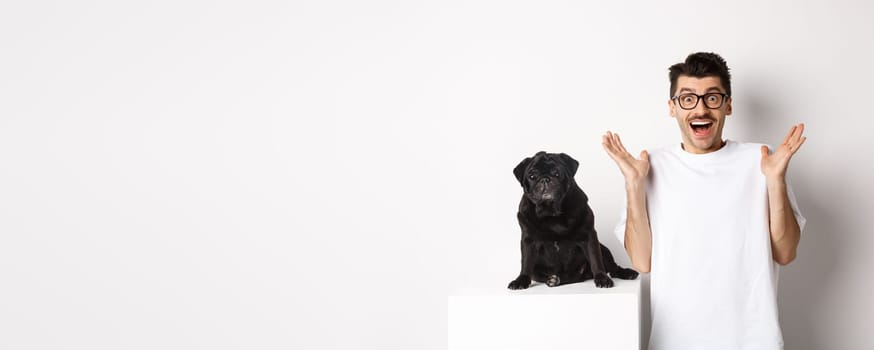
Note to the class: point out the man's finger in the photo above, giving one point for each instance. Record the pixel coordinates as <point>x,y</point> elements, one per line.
<point>788,137</point>
<point>799,130</point>
<point>798,145</point>
<point>607,142</point>
<point>619,144</point>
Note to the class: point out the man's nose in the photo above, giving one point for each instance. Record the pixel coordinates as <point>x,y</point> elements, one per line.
<point>700,108</point>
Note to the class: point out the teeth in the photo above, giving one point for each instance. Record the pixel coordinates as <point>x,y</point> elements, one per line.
<point>701,123</point>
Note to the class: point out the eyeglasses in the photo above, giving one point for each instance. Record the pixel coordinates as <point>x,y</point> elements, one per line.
<point>712,100</point>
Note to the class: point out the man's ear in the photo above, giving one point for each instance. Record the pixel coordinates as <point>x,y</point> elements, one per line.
<point>519,171</point>
<point>572,164</point>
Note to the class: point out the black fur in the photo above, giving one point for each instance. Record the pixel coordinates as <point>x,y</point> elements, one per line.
<point>559,242</point>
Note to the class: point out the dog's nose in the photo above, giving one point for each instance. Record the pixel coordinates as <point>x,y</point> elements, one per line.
<point>545,179</point>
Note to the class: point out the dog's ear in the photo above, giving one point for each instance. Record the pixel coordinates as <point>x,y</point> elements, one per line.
<point>572,164</point>
<point>519,171</point>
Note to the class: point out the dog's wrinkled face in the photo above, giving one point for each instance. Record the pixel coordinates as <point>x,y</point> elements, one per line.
<point>546,178</point>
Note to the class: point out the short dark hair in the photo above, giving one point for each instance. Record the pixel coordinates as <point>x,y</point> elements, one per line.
<point>700,65</point>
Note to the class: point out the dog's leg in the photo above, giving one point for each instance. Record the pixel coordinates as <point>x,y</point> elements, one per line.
<point>523,281</point>
<point>596,261</point>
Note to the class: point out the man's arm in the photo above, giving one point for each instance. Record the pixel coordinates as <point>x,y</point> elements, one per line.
<point>785,232</point>
<point>638,236</point>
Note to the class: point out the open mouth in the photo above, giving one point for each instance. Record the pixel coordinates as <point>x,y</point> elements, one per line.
<point>701,128</point>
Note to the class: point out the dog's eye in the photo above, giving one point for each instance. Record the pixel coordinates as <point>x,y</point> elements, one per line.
<point>531,176</point>
<point>555,174</point>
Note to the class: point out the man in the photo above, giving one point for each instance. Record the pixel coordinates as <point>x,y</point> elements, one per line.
<point>708,219</point>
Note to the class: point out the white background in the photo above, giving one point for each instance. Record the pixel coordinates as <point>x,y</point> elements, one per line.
<point>321,174</point>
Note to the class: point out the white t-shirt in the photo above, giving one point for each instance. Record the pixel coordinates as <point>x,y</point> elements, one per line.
<point>713,281</point>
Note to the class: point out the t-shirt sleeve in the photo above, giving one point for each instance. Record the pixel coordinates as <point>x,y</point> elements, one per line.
<point>619,231</point>
<point>798,216</point>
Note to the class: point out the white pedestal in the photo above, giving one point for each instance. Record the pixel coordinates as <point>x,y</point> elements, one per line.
<point>574,316</point>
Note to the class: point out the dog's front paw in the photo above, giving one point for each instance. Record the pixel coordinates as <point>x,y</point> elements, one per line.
<point>602,281</point>
<point>521,282</point>
<point>553,281</point>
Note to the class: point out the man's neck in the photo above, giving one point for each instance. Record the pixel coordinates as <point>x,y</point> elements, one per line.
<point>721,144</point>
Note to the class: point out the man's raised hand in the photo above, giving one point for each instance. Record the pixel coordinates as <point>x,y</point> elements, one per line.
<point>634,170</point>
<point>774,165</point>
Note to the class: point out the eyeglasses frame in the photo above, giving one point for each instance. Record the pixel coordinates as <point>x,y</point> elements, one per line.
<point>698,100</point>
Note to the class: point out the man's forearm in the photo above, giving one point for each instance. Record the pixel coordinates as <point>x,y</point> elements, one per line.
<point>638,236</point>
<point>785,233</point>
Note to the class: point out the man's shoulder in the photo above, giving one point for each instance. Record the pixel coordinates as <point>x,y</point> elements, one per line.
<point>748,149</point>
<point>661,151</point>
<point>747,146</point>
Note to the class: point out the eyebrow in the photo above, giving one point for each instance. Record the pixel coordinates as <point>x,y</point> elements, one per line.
<point>713,88</point>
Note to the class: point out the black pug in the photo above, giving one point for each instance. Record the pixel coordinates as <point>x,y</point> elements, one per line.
<point>559,242</point>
